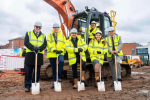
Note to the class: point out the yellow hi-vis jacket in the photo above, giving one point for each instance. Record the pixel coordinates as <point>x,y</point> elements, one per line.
<point>35,41</point>
<point>94,46</point>
<point>71,50</point>
<point>20,54</point>
<point>51,45</point>
<point>116,43</point>
<point>90,33</point>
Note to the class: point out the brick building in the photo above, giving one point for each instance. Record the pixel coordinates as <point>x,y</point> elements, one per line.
<point>16,43</point>
<point>5,46</point>
<point>130,48</point>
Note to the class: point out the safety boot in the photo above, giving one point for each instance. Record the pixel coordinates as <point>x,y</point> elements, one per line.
<point>75,83</point>
<point>82,78</point>
<point>96,79</point>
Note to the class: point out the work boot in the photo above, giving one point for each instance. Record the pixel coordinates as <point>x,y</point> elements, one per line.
<point>27,89</point>
<point>96,79</point>
<point>112,85</point>
<point>82,78</point>
<point>75,83</point>
<point>119,79</point>
<point>52,86</point>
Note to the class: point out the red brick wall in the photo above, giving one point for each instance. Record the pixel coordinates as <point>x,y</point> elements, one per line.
<point>18,43</point>
<point>127,48</point>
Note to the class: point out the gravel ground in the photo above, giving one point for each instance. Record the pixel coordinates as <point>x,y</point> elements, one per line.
<point>137,87</point>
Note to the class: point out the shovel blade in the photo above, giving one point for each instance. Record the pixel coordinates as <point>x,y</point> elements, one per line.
<point>101,86</point>
<point>81,86</point>
<point>117,85</point>
<point>57,86</point>
<point>35,88</point>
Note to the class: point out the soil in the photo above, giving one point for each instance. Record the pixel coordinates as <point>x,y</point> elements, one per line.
<point>137,87</point>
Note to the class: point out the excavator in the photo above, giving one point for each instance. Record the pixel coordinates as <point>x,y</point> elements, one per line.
<point>81,20</point>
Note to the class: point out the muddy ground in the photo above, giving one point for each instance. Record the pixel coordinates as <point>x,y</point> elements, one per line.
<point>137,87</point>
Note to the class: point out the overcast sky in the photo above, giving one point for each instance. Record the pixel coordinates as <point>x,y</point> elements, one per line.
<point>18,16</point>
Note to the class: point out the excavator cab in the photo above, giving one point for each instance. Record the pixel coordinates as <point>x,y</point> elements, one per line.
<point>82,22</point>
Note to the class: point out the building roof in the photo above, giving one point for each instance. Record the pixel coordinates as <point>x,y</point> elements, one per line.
<point>140,47</point>
<point>17,38</point>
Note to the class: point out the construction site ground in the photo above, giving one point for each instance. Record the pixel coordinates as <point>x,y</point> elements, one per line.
<point>137,87</point>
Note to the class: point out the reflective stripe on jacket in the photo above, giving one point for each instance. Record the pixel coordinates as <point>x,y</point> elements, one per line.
<point>51,45</point>
<point>35,41</point>
<point>116,44</point>
<point>90,33</point>
<point>71,50</point>
<point>94,46</point>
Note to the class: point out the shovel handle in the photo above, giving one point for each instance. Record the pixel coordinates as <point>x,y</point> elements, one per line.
<point>80,67</point>
<point>115,63</point>
<point>100,67</point>
<point>35,63</point>
<point>57,68</point>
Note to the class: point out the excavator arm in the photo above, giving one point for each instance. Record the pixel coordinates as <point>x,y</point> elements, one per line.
<point>65,9</point>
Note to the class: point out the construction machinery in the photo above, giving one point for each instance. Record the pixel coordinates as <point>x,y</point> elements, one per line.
<point>81,20</point>
<point>132,60</point>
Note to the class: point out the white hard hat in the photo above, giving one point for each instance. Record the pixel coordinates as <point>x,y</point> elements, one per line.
<point>56,25</point>
<point>111,29</point>
<point>24,47</point>
<point>93,22</point>
<point>98,32</point>
<point>38,24</point>
<point>73,30</point>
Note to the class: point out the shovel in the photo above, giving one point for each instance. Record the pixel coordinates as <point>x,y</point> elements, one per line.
<point>35,86</point>
<point>101,85</point>
<point>57,85</point>
<point>117,83</point>
<point>81,85</point>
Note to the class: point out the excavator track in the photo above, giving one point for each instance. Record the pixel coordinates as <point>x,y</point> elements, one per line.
<point>106,72</point>
<point>46,72</point>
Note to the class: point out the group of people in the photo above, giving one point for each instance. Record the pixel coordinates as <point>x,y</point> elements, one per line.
<point>56,44</point>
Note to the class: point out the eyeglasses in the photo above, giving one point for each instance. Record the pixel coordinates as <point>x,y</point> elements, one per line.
<point>38,27</point>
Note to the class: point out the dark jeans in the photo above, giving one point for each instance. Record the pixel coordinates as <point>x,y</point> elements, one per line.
<point>74,69</point>
<point>95,62</point>
<point>60,66</point>
<point>30,75</point>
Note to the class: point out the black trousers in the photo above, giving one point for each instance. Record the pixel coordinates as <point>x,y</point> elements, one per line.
<point>74,69</point>
<point>30,75</point>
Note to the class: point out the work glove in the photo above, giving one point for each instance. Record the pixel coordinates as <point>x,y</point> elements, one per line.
<point>58,51</point>
<point>98,52</point>
<point>93,34</point>
<point>36,49</point>
<point>80,50</point>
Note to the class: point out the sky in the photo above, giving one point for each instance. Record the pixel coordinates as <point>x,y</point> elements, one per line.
<point>18,16</point>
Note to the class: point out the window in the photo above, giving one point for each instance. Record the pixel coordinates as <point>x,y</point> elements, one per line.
<point>107,25</point>
<point>143,50</point>
<point>133,51</point>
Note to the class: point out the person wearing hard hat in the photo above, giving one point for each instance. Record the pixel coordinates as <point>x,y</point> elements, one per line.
<point>76,47</point>
<point>23,55</point>
<point>35,42</point>
<point>21,51</point>
<point>114,43</point>
<point>97,47</point>
<point>56,47</point>
<point>92,31</point>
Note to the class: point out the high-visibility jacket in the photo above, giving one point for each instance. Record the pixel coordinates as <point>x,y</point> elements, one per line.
<point>51,45</point>
<point>116,43</point>
<point>94,46</point>
<point>72,50</point>
<point>90,33</point>
<point>35,41</point>
<point>20,54</point>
